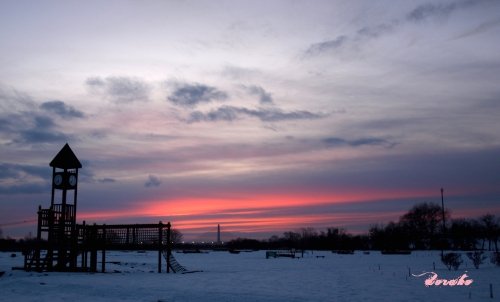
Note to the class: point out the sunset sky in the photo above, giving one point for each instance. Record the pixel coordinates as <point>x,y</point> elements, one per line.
<point>261,116</point>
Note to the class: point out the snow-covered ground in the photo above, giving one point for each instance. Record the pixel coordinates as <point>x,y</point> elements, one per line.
<point>252,277</point>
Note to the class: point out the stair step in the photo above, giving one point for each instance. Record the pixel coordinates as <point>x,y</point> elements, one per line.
<point>174,265</point>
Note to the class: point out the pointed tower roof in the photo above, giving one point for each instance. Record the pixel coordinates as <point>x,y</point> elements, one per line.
<point>66,159</point>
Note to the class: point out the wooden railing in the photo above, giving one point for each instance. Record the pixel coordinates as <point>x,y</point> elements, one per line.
<point>53,215</point>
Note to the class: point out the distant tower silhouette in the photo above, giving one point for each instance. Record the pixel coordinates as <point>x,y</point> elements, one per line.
<point>218,234</point>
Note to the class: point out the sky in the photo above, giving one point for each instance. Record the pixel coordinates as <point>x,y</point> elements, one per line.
<point>261,116</point>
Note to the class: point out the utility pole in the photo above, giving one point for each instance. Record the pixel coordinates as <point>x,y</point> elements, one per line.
<point>442,210</point>
<point>444,222</point>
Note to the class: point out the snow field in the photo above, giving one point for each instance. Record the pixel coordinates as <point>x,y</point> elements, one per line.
<point>249,276</point>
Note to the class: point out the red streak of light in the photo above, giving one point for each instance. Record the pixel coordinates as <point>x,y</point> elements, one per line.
<point>180,211</point>
<point>474,212</point>
<point>284,223</point>
<point>109,214</point>
<point>200,206</point>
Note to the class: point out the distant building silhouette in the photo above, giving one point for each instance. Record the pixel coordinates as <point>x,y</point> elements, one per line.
<point>218,234</point>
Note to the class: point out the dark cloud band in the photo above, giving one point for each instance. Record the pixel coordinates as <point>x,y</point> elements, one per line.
<point>61,109</point>
<point>120,89</point>
<point>231,113</point>
<point>191,95</point>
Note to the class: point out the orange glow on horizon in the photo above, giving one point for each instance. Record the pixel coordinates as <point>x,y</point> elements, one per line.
<point>233,213</point>
<point>261,212</point>
<point>282,223</point>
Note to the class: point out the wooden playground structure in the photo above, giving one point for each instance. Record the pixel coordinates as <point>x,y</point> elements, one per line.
<point>64,245</point>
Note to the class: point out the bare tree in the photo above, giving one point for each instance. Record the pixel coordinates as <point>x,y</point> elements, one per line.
<point>452,260</point>
<point>308,237</point>
<point>490,226</point>
<point>176,236</point>
<point>292,239</point>
<point>423,224</point>
<point>477,258</point>
<point>309,233</point>
<point>464,233</point>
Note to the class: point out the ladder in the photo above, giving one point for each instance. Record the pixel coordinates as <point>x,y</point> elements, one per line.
<point>175,266</point>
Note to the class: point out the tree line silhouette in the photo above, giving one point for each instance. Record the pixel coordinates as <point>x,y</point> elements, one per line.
<point>421,228</point>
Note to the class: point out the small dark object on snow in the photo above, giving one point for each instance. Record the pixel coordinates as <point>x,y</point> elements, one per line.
<point>452,260</point>
<point>477,258</point>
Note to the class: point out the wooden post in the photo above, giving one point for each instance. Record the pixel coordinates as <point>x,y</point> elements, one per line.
<point>61,236</point>
<point>128,235</point>
<point>169,250</point>
<point>75,193</point>
<point>50,239</point>
<point>84,250</point>
<point>53,188</point>
<point>103,264</point>
<point>160,243</point>
<point>38,238</point>
<point>93,249</point>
